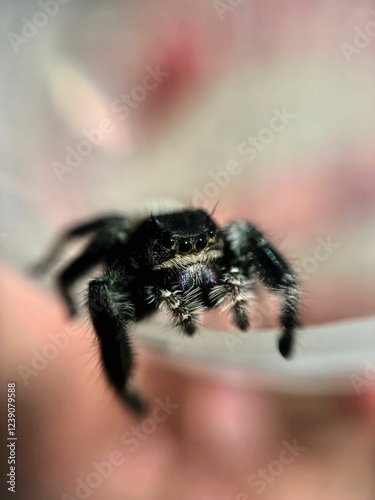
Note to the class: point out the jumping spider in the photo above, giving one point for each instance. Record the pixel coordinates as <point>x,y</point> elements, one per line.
<point>182,259</point>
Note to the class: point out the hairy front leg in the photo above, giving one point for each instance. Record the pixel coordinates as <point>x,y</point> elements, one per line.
<point>251,248</point>
<point>112,311</point>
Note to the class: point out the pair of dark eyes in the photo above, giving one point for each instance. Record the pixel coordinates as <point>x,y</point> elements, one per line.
<point>187,246</point>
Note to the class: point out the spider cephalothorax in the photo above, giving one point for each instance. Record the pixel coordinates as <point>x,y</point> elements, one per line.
<point>181,260</point>
<point>176,240</point>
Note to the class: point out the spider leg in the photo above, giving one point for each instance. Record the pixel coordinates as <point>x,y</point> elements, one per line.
<point>93,254</point>
<point>71,234</point>
<point>251,246</point>
<point>233,292</point>
<point>111,311</point>
<point>111,230</point>
<point>183,308</point>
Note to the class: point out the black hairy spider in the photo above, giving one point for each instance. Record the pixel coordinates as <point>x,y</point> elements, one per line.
<point>181,259</point>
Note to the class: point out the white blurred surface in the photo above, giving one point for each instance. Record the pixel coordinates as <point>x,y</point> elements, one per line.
<point>324,362</point>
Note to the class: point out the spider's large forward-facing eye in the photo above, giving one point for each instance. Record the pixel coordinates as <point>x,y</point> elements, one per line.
<point>185,247</point>
<point>200,243</point>
<point>168,243</point>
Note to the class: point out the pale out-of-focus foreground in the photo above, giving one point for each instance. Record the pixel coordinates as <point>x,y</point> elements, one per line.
<point>266,107</point>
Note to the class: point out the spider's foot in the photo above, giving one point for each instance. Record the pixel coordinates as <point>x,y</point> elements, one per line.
<point>286,344</point>
<point>72,309</point>
<point>36,270</point>
<point>69,301</point>
<point>241,319</point>
<point>136,402</point>
<point>189,327</point>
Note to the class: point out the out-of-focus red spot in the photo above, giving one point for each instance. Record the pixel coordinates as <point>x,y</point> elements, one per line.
<point>180,55</point>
